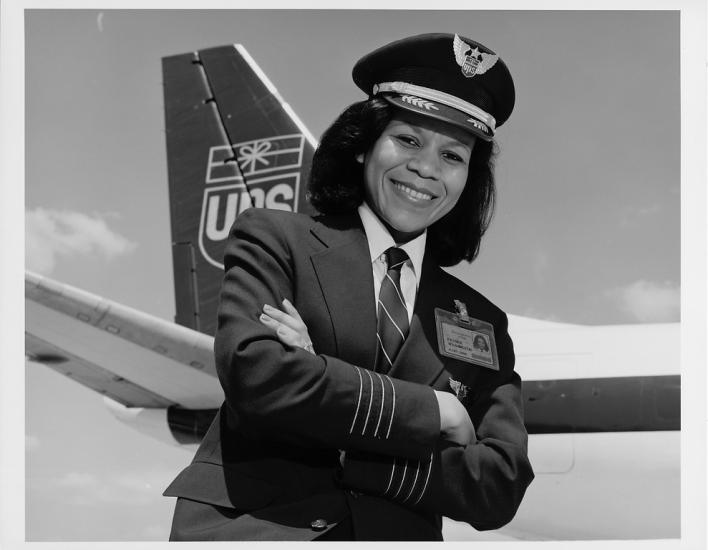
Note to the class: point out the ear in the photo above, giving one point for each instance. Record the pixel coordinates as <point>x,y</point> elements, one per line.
<point>360,158</point>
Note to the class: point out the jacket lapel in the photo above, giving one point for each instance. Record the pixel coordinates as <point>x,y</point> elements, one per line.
<point>344,273</point>
<point>417,360</point>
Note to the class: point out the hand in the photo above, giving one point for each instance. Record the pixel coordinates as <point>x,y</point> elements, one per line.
<point>288,326</point>
<point>455,423</point>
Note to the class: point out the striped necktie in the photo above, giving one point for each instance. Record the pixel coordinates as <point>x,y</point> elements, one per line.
<point>392,325</point>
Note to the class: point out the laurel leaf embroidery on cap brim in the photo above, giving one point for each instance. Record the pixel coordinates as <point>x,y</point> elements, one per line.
<point>420,103</point>
<point>477,124</point>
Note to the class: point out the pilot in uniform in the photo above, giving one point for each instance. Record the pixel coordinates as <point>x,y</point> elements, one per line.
<point>342,438</point>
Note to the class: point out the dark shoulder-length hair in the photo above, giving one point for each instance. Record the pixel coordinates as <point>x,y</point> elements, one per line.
<point>336,183</point>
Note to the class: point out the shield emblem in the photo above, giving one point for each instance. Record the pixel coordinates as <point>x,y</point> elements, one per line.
<point>265,174</point>
<point>469,67</point>
<point>222,205</point>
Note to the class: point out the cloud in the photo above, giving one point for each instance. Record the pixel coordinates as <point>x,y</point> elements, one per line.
<point>51,234</point>
<point>532,312</point>
<point>650,302</point>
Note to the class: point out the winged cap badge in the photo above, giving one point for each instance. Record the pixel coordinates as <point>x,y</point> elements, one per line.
<point>471,60</point>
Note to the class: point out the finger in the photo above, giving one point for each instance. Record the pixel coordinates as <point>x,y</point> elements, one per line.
<point>284,334</point>
<point>288,336</point>
<point>290,310</point>
<point>275,313</point>
<point>268,321</point>
<point>283,318</point>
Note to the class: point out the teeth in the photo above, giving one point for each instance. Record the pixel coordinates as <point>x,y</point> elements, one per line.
<point>413,193</point>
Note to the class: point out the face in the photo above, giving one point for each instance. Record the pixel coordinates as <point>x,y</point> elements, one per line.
<point>415,172</point>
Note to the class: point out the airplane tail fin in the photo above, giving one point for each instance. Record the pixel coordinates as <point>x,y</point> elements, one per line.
<point>232,143</point>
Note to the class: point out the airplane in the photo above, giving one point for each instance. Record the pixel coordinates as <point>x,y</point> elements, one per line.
<point>602,403</point>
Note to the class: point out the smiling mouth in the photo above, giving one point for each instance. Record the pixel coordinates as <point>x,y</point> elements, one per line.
<point>413,193</point>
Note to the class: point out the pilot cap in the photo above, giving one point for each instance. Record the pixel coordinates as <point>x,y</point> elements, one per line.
<point>443,76</point>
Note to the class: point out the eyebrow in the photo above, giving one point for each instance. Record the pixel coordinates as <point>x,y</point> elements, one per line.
<point>456,142</point>
<point>451,139</point>
<point>462,143</point>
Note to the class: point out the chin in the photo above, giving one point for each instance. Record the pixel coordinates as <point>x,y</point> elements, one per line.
<point>406,230</point>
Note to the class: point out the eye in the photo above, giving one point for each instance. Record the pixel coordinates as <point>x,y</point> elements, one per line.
<point>453,157</point>
<point>407,140</point>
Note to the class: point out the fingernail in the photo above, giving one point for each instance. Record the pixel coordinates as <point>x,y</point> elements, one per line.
<point>266,307</point>
<point>286,301</point>
<point>281,331</point>
<point>264,317</point>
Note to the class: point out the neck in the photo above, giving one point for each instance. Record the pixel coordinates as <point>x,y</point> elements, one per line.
<point>399,236</point>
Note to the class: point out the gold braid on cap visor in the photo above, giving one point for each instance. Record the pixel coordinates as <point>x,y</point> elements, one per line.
<point>440,97</point>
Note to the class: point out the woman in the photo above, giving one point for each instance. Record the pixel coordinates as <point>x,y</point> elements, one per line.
<point>354,408</point>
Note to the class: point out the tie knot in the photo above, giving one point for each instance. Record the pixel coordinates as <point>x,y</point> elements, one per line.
<point>395,258</point>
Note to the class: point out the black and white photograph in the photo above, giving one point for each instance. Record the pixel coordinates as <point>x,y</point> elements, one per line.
<point>247,233</point>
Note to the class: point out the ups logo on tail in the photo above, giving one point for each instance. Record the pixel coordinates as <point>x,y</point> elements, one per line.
<point>264,173</point>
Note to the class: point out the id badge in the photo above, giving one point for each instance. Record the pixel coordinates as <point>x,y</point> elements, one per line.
<point>466,339</point>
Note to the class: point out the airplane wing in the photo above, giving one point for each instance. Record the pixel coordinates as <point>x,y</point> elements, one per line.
<point>129,356</point>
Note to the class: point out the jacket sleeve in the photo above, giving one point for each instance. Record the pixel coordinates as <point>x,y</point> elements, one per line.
<point>288,394</point>
<point>481,483</point>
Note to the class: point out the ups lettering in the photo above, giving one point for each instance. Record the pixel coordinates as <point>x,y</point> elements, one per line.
<point>221,215</point>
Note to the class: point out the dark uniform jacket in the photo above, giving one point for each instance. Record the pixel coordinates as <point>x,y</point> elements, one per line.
<point>269,466</point>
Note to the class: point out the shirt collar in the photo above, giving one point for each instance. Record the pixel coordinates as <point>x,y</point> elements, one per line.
<point>380,239</point>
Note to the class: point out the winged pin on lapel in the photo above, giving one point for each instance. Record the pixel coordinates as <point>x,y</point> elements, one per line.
<point>459,388</point>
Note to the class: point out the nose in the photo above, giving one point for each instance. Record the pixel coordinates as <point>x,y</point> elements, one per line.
<point>425,162</point>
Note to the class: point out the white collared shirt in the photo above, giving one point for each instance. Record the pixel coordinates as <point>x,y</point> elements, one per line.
<point>380,240</point>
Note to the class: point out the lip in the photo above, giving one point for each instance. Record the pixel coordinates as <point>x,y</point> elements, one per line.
<point>412,193</point>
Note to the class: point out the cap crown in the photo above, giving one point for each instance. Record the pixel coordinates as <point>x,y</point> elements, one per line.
<point>447,63</point>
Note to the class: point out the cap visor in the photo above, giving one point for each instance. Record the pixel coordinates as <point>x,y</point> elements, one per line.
<point>442,112</point>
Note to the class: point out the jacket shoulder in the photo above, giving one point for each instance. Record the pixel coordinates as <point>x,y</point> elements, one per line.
<point>273,228</point>
<point>264,217</point>
<point>475,300</point>
<point>457,286</point>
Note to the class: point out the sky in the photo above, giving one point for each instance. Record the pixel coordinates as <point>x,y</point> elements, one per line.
<point>588,224</point>
<point>587,230</point>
